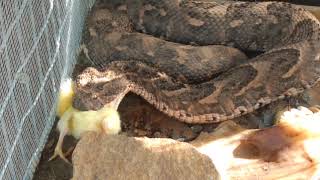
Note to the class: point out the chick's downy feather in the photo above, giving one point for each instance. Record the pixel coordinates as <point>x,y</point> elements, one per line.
<point>65,96</point>
<point>106,120</point>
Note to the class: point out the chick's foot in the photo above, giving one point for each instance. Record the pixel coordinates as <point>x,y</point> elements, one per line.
<point>58,152</point>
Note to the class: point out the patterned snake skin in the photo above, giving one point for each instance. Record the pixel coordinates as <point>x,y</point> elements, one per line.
<point>184,56</point>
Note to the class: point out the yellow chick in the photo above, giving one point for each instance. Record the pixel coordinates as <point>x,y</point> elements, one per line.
<point>74,122</point>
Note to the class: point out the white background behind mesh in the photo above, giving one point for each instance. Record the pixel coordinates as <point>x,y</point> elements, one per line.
<point>39,41</point>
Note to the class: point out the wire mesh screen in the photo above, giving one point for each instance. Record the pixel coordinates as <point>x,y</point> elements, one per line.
<point>38,47</point>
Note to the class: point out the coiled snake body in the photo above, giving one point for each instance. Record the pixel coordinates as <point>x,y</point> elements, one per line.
<point>182,56</point>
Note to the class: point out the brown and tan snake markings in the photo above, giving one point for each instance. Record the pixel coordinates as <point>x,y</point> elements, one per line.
<point>183,56</point>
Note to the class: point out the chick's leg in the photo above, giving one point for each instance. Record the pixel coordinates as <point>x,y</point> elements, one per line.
<point>63,128</point>
<point>69,151</point>
<point>58,148</point>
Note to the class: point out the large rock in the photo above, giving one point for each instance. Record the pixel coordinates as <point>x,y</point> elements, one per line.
<point>287,151</point>
<point>99,156</point>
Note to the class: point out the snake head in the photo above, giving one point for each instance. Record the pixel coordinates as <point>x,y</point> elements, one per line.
<point>95,89</point>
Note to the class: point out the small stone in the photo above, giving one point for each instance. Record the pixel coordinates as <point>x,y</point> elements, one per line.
<point>196,128</point>
<point>165,132</point>
<point>175,135</point>
<point>147,127</point>
<point>182,139</point>
<point>157,134</point>
<point>141,132</point>
<point>209,127</point>
<point>188,134</point>
<point>267,120</point>
<point>136,123</point>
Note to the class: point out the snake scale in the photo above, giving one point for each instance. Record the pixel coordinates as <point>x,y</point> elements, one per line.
<point>185,56</point>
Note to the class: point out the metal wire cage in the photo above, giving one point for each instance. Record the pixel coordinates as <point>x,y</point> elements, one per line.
<point>39,41</point>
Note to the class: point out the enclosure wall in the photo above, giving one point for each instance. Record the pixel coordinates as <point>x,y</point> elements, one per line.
<point>39,42</point>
